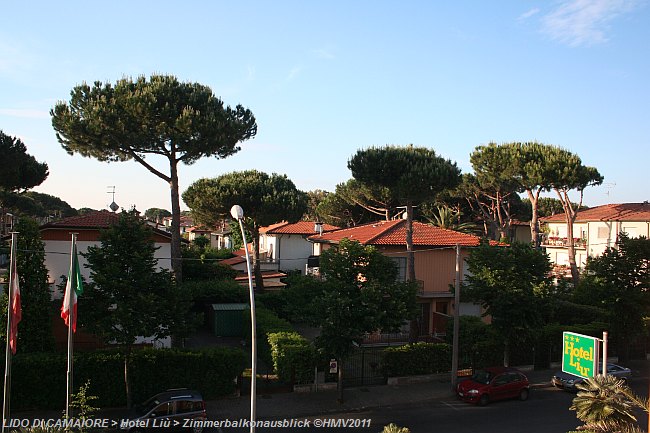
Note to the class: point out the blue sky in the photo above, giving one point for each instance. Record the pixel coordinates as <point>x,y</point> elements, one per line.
<point>325,79</point>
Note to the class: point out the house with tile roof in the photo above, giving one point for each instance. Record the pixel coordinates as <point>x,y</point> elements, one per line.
<point>270,274</point>
<point>595,229</point>
<point>57,236</point>
<point>435,263</point>
<point>186,223</point>
<point>220,236</point>
<point>287,245</point>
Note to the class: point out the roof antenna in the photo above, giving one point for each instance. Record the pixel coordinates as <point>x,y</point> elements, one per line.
<point>608,186</point>
<point>113,206</point>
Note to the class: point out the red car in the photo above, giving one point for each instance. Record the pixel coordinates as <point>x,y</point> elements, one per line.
<point>495,383</point>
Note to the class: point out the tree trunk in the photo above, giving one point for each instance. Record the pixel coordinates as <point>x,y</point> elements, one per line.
<point>410,256</point>
<point>571,250</point>
<point>534,219</point>
<point>506,354</point>
<point>339,383</point>
<point>410,266</point>
<point>177,264</point>
<point>127,382</point>
<point>257,269</point>
<point>570,217</point>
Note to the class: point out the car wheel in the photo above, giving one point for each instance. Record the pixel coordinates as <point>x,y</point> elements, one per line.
<point>485,399</point>
<point>523,395</point>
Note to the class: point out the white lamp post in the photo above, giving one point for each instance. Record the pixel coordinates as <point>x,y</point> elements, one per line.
<point>238,213</point>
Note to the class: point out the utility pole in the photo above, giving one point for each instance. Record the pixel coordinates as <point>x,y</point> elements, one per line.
<point>454,352</point>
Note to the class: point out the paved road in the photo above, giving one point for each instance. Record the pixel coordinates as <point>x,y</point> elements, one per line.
<point>547,411</point>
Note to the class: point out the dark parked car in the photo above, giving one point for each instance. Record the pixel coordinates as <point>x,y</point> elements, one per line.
<point>568,381</point>
<point>496,383</point>
<point>172,410</point>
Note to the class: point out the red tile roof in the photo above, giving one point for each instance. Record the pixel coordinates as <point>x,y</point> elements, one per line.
<point>394,233</point>
<point>265,274</point>
<point>101,219</point>
<point>233,260</point>
<point>96,219</point>
<point>299,228</point>
<point>608,212</point>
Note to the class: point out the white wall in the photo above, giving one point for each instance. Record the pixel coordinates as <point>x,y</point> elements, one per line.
<point>292,252</point>
<point>57,261</point>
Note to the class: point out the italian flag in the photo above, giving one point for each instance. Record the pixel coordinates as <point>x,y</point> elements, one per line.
<point>73,289</point>
<point>16,310</point>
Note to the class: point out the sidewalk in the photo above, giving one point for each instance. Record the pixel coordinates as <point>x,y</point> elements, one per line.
<point>292,404</point>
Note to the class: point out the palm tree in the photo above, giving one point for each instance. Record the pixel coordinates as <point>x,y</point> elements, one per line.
<point>606,405</point>
<point>392,428</point>
<point>447,218</point>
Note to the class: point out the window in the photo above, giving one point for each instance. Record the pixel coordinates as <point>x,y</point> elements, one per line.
<point>631,232</point>
<point>163,410</point>
<point>400,262</point>
<point>501,380</point>
<point>603,232</point>
<point>185,406</point>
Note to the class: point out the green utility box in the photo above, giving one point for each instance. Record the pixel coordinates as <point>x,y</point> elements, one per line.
<point>227,320</point>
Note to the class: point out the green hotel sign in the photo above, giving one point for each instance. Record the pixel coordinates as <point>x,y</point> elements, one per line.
<point>579,354</point>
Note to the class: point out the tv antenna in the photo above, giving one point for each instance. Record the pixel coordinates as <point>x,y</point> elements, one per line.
<point>113,206</point>
<point>608,186</point>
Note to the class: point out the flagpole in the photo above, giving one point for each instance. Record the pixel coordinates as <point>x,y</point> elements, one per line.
<point>7,387</point>
<point>71,319</point>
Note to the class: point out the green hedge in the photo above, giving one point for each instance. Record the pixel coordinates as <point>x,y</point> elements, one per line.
<point>417,358</point>
<point>293,357</point>
<point>267,322</point>
<point>39,379</point>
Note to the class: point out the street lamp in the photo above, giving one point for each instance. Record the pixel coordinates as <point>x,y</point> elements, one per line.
<point>238,213</point>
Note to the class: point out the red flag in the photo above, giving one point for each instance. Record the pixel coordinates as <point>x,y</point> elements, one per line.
<point>16,309</point>
<point>73,288</point>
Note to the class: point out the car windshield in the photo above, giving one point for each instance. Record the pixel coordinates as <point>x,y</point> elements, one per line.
<point>145,407</point>
<point>482,376</point>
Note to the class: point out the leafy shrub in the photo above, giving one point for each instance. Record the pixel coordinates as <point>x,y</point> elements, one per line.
<point>392,428</point>
<point>417,358</point>
<point>203,264</point>
<point>39,379</point>
<point>293,357</point>
<point>216,291</point>
<point>267,322</point>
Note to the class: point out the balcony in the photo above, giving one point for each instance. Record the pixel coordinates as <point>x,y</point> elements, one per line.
<point>555,241</point>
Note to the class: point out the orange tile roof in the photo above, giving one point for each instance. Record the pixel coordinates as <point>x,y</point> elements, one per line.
<point>299,228</point>
<point>233,260</point>
<point>394,233</point>
<point>101,219</point>
<point>265,274</point>
<point>95,219</point>
<point>608,212</point>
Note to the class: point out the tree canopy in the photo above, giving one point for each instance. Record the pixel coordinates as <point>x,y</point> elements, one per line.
<point>129,295</point>
<point>618,281</point>
<point>35,328</point>
<point>337,211</point>
<point>157,214</point>
<point>20,170</point>
<point>266,199</point>
<point>492,186</point>
<point>161,116</point>
<point>410,175</point>
<point>360,294</point>
<point>508,282</point>
<point>567,173</point>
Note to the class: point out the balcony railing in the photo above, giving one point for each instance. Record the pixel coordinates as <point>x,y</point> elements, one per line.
<point>555,241</point>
